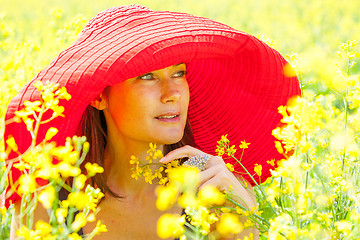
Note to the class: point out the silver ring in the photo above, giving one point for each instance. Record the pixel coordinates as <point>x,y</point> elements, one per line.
<point>197,161</point>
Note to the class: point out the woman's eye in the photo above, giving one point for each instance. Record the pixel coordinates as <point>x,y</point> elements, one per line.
<point>148,76</point>
<point>180,74</point>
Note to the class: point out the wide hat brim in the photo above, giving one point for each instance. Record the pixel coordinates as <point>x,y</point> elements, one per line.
<point>236,81</point>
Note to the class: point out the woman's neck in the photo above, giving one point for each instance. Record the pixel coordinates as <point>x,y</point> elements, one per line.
<point>118,168</point>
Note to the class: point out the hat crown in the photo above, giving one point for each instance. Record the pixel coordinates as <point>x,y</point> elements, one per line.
<point>114,13</point>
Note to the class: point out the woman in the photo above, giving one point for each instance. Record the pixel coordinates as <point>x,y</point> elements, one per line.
<point>138,76</point>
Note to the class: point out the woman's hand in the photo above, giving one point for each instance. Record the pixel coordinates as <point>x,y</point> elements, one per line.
<point>217,174</point>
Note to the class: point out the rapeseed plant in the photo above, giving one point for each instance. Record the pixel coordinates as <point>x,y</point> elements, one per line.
<point>66,217</point>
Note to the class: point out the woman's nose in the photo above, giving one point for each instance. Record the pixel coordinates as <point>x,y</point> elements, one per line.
<point>170,92</point>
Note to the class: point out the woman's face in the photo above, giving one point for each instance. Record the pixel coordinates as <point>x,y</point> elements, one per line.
<point>149,108</point>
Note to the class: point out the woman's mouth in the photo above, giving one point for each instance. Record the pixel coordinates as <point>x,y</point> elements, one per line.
<point>168,117</point>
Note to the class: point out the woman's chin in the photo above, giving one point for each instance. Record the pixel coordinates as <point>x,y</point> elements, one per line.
<point>167,140</point>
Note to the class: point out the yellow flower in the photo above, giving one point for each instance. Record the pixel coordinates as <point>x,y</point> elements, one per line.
<point>278,147</point>
<point>42,228</point>
<point>80,181</point>
<point>210,195</point>
<point>26,234</point>
<point>229,224</point>
<point>61,214</point>
<point>12,144</point>
<point>51,132</point>
<point>63,94</point>
<point>75,236</point>
<point>93,169</point>
<point>27,184</point>
<point>244,145</point>
<point>186,177</point>
<point>231,150</point>
<point>29,124</point>
<point>32,106</point>
<point>21,166</point>
<point>66,170</point>
<point>134,160</point>
<point>171,225</point>
<point>258,169</point>
<point>58,110</point>
<point>39,85</point>
<point>343,226</point>
<point>79,222</point>
<point>289,71</point>
<point>250,237</point>
<point>188,199</point>
<point>47,196</point>
<point>230,167</point>
<point>99,228</point>
<point>78,199</point>
<point>167,196</point>
<point>271,162</point>
<point>220,151</point>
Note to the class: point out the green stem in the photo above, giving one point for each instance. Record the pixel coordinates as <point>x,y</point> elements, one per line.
<point>37,126</point>
<point>248,173</point>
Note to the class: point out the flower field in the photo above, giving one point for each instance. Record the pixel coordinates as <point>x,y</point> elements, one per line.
<point>313,194</point>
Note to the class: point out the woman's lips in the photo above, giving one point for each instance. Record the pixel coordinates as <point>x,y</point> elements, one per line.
<point>169,117</point>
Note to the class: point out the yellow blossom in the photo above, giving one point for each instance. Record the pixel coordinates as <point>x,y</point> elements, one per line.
<point>61,214</point>
<point>271,162</point>
<point>244,145</point>
<point>12,144</point>
<point>231,150</point>
<point>230,167</point>
<point>100,228</point>
<point>188,178</point>
<point>47,197</point>
<point>93,169</point>
<point>188,199</point>
<point>170,225</point>
<point>66,170</point>
<point>63,94</point>
<point>26,233</point>
<point>80,181</point>
<point>74,236</point>
<point>79,222</point>
<point>27,184</point>
<point>167,196</point>
<point>51,133</point>
<point>210,195</point>
<point>289,71</point>
<point>134,160</point>
<point>38,85</point>
<point>343,226</point>
<point>229,224</point>
<point>258,169</point>
<point>278,147</point>
<point>250,237</point>
<point>78,199</point>
<point>43,228</point>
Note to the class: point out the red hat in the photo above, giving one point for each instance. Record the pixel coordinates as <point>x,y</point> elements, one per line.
<point>236,81</point>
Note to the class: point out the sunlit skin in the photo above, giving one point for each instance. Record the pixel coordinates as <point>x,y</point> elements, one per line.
<point>149,108</point>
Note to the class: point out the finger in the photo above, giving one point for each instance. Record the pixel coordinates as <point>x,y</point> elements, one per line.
<point>217,176</point>
<point>215,161</point>
<point>186,151</point>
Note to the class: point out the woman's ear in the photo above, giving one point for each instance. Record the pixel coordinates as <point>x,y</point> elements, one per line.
<point>99,102</point>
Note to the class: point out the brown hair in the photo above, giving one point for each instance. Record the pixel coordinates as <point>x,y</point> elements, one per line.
<point>95,129</point>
